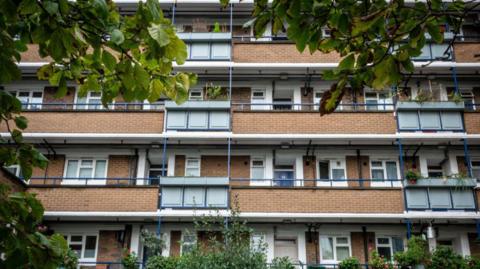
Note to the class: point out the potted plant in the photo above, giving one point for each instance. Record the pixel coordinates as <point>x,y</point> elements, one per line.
<point>379,262</point>
<point>349,263</point>
<point>215,92</point>
<point>412,176</point>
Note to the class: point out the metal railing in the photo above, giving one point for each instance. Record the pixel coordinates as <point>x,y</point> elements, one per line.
<point>317,183</point>
<point>117,106</point>
<point>92,181</point>
<point>290,106</point>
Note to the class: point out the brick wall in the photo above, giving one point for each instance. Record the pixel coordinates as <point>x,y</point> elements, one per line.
<point>278,53</point>
<point>472,122</point>
<point>240,167</point>
<point>309,170</point>
<point>474,245</point>
<point>465,52</point>
<point>93,122</point>
<point>121,167</point>
<point>49,97</point>
<point>11,180</point>
<point>109,248</point>
<point>358,249</point>
<point>98,198</point>
<point>213,166</point>
<point>312,123</point>
<point>319,200</point>
<point>353,172</point>
<point>54,169</point>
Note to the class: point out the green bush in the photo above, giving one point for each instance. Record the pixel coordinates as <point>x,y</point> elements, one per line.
<point>379,262</point>
<point>416,254</point>
<point>160,262</point>
<point>70,260</point>
<point>444,257</point>
<point>282,263</point>
<point>350,263</point>
<point>129,260</point>
<point>473,263</point>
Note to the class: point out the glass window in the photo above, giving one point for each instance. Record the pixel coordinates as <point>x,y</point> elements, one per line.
<point>86,168</point>
<point>156,171</point>
<point>90,246</point>
<point>85,246</point>
<point>382,170</point>
<point>29,99</point>
<point>192,167</point>
<point>258,169</point>
<point>435,171</point>
<point>476,169</point>
<point>334,248</point>
<point>323,169</point>
<point>188,243</point>
<point>387,246</point>
<point>257,242</point>
<point>93,100</point>
<point>15,169</point>
<point>337,169</point>
<point>195,94</point>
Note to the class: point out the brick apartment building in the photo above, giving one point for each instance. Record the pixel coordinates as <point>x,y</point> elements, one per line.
<point>316,189</point>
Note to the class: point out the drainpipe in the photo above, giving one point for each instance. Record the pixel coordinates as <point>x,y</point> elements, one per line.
<point>359,167</point>
<point>365,244</point>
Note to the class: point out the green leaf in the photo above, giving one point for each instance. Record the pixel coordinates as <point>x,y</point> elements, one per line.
<point>343,23</point>
<point>159,34</point>
<point>109,60</point>
<point>156,90</point>
<point>117,37</point>
<point>347,62</point>
<point>51,7</point>
<point>434,31</point>
<point>21,122</point>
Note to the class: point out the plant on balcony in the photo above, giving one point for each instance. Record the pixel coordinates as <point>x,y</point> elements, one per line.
<point>215,92</point>
<point>129,260</point>
<point>412,176</point>
<point>379,262</point>
<point>416,254</point>
<point>455,97</point>
<point>423,96</point>
<point>444,257</point>
<point>282,263</point>
<point>216,28</point>
<point>349,263</point>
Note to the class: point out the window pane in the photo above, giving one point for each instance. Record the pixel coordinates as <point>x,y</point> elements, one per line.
<point>391,170</point>
<point>338,174</point>
<point>323,168</point>
<point>90,246</point>
<point>76,238</point>
<point>85,172</point>
<point>100,169</point>
<point>72,169</point>
<point>376,164</point>
<point>258,173</point>
<point>397,244</point>
<point>383,241</point>
<point>326,246</point>
<point>342,253</point>
<point>384,252</point>
<point>77,249</point>
<point>192,172</point>
<point>342,240</point>
<point>87,162</point>
<point>377,174</point>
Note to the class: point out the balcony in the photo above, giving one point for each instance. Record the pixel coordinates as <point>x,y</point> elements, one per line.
<point>291,118</point>
<point>207,46</point>
<point>198,116</point>
<point>430,116</point>
<point>441,194</point>
<point>194,192</point>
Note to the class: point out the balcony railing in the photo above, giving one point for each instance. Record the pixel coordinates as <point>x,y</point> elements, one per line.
<point>317,183</point>
<point>117,106</point>
<point>92,181</point>
<point>290,106</point>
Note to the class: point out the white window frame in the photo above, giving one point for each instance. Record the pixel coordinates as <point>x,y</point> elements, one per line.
<point>82,181</point>
<point>317,100</point>
<point>468,94</point>
<point>332,164</point>
<point>17,169</point>
<point>474,166</point>
<point>256,100</point>
<point>252,166</point>
<point>88,98</point>
<point>188,167</point>
<point>390,245</point>
<point>191,243</point>
<point>29,104</point>
<point>195,98</point>
<point>334,237</point>
<point>384,183</point>
<point>383,104</point>
<point>83,243</point>
<point>256,238</point>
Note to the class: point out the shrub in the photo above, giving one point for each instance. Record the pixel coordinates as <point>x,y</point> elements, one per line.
<point>445,257</point>
<point>129,260</point>
<point>473,263</point>
<point>379,262</point>
<point>417,253</point>
<point>350,263</point>
<point>70,260</point>
<point>282,263</point>
<point>160,262</point>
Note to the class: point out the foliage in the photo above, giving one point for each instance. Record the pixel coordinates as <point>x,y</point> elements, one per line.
<point>350,263</point>
<point>473,263</point>
<point>281,263</point>
<point>22,243</point>
<point>379,262</point>
<point>129,260</point>
<point>216,28</point>
<point>160,262</point>
<point>153,243</point>
<point>88,42</point>
<point>376,39</point>
<point>445,257</point>
<point>455,97</point>
<point>412,176</point>
<point>70,260</point>
<point>216,92</point>
<point>416,254</point>
<point>423,96</point>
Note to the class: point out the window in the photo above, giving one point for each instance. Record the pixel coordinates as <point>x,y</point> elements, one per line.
<point>195,95</point>
<point>155,172</point>
<point>29,99</point>
<point>387,246</point>
<point>381,170</point>
<point>334,248</point>
<point>258,169</point>
<point>85,246</point>
<point>93,100</point>
<point>257,242</point>
<point>435,171</point>
<point>376,101</point>
<point>86,169</point>
<point>337,169</point>
<point>192,167</point>
<point>188,242</point>
<point>258,94</point>
<point>476,169</point>
<point>468,98</point>
<point>15,169</point>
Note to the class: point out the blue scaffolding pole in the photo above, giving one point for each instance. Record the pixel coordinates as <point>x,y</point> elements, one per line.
<point>164,156</point>
<point>467,158</point>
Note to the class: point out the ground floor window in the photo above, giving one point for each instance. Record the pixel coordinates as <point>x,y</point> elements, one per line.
<point>387,246</point>
<point>188,242</point>
<point>85,246</point>
<point>334,248</point>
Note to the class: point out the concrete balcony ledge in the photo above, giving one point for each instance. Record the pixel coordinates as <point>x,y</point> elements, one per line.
<point>430,106</point>
<point>194,181</point>
<point>198,105</point>
<point>205,36</point>
<point>440,182</point>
